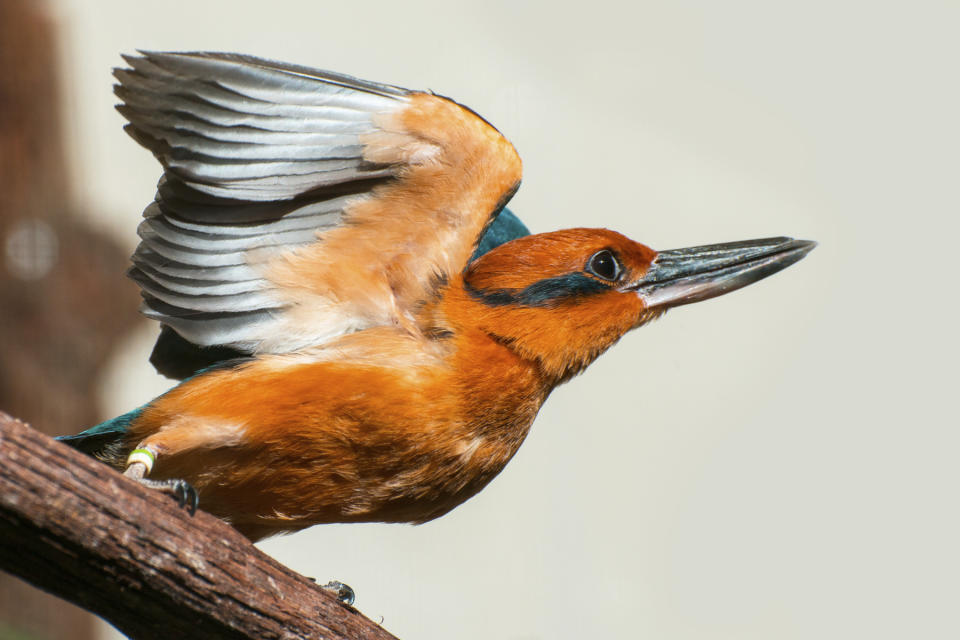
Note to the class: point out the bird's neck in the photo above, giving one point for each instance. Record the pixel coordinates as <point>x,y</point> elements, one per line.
<point>501,392</point>
<point>550,345</point>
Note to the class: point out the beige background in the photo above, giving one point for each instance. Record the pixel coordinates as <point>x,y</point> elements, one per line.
<point>778,463</point>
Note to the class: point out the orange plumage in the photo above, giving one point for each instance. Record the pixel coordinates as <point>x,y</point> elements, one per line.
<point>323,228</point>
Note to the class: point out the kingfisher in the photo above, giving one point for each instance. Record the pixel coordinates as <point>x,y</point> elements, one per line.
<point>362,331</point>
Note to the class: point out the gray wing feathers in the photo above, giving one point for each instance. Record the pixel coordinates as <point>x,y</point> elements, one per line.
<point>258,157</point>
<point>237,127</point>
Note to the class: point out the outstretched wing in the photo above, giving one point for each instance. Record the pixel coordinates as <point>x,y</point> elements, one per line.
<point>297,205</point>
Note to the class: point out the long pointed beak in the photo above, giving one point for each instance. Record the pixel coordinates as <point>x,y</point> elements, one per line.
<point>682,276</point>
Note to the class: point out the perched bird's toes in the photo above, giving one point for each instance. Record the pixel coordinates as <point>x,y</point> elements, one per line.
<point>344,592</point>
<point>181,490</point>
<point>187,496</point>
<point>194,499</point>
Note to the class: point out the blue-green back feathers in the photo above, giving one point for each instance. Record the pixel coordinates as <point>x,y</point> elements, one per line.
<point>96,439</point>
<point>504,228</point>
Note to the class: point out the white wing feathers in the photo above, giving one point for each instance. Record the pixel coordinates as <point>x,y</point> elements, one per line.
<point>258,157</point>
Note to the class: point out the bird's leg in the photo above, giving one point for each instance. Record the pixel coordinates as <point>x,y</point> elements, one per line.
<point>140,463</point>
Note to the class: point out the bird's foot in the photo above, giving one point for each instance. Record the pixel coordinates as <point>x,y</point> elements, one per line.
<point>181,490</point>
<point>344,592</point>
<point>140,463</point>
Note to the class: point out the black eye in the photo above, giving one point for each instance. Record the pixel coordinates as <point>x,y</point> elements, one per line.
<point>603,264</point>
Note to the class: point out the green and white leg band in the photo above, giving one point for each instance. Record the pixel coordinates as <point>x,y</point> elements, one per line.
<point>144,456</point>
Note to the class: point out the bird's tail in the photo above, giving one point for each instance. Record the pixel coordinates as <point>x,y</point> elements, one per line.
<point>104,440</point>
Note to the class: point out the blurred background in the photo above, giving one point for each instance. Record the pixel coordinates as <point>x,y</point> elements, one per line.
<point>777,463</point>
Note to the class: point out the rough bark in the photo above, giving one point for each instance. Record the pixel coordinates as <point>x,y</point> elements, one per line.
<point>74,527</point>
<point>64,303</point>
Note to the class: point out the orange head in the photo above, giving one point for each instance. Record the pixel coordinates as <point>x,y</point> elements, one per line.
<point>563,298</point>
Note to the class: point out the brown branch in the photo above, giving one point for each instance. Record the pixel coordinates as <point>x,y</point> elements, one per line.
<point>74,527</point>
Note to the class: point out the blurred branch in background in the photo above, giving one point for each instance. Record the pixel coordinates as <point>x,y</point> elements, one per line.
<point>82,531</point>
<point>63,300</point>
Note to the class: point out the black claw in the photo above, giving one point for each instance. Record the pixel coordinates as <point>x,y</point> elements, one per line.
<point>195,500</point>
<point>187,496</point>
<point>344,592</point>
<point>179,493</point>
<point>181,490</point>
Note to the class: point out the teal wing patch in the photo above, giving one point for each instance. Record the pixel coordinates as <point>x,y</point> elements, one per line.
<point>505,227</point>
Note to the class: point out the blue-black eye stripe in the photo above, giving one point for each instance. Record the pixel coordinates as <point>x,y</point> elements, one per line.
<point>544,293</point>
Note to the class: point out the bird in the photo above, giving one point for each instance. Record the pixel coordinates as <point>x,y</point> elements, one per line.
<point>361,330</point>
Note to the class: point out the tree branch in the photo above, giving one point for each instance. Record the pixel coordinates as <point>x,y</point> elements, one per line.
<point>76,528</point>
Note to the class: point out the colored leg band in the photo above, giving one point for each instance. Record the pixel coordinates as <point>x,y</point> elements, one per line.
<point>144,457</point>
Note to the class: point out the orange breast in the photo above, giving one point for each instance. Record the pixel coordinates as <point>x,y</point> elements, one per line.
<point>274,447</point>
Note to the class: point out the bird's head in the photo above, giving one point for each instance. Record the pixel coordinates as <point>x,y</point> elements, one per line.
<point>563,298</point>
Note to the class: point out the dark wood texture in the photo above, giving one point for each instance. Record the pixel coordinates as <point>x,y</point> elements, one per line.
<point>74,527</point>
